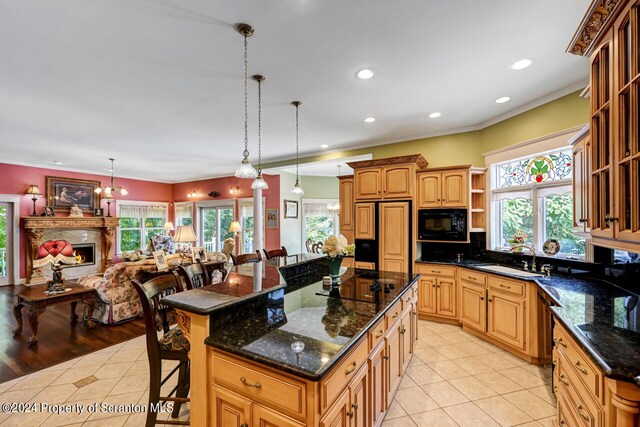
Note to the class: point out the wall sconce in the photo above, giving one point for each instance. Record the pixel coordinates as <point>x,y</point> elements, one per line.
<point>191,195</point>
<point>234,190</point>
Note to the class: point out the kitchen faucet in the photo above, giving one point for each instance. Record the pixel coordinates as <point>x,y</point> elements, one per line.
<point>533,252</point>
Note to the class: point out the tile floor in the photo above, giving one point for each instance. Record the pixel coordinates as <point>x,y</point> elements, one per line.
<point>454,379</point>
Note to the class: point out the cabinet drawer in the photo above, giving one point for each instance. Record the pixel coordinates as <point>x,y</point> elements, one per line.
<point>437,270</point>
<point>473,277</point>
<point>282,393</point>
<point>502,285</point>
<point>366,265</point>
<point>376,334</point>
<point>340,377</point>
<point>581,368</point>
<point>407,298</point>
<point>581,405</point>
<point>393,313</point>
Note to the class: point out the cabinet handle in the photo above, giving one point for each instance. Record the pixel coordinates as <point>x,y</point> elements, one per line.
<point>560,342</point>
<point>244,381</point>
<point>354,405</point>
<point>385,357</point>
<point>563,380</point>
<point>436,271</point>
<point>582,220</point>
<point>580,368</point>
<point>394,315</point>
<point>584,416</point>
<point>351,369</point>
<point>505,286</point>
<point>562,423</point>
<point>380,334</point>
<point>490,300</point>
<point>350,413</point>
<point>403,330</point>
<point>244,425</point>
<point>481,298</point>
<point>473,278</point>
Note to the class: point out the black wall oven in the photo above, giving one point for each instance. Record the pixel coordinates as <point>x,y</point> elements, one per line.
<point>444,225</point>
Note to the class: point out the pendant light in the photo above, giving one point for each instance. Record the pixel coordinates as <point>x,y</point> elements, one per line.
<point>259,183</point>
<point>297,190</point>
<point>109,190</point>
<point>245,170</point>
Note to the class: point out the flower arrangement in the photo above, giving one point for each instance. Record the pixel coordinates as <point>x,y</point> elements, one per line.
<point>335,246</point>
<point>518,238</point>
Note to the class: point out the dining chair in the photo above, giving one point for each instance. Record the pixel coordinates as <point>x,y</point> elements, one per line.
<point>246,258</point>
<point>275,253</point>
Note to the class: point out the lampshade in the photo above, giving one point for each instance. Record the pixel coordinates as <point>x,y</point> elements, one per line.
<point>184,234</point>
<point>235,227</point>
<point>168,226</point>
<point>53,252</point>
<point>34,190</point>
<point>259,183</point>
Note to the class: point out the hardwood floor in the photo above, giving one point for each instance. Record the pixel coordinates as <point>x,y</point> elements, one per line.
<point>59,341</point>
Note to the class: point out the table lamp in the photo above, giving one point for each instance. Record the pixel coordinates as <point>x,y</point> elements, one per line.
<point>235,228</point>
<point>34,191</point>
<point>109,199</point>
<point>184,234</point>
<point>55,252</point>
<point>168,227</point>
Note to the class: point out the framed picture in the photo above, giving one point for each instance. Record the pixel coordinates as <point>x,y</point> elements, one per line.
<point>290,209</point>
<point>48,211</point>
<point>98,212</point>
<point>63,193</point>
<point>272,218</point>
<point>198,253</point>
<point>161,260</point>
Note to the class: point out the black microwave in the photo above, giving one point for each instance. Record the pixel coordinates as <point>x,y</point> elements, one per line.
<point>444,225</point>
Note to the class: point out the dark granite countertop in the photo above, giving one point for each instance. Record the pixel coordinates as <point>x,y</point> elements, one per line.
<point>293,260</point>
<point>327,322</point>
<point>602,317</point>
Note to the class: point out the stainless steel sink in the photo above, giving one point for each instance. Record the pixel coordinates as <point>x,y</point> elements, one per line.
<point>509,270</point>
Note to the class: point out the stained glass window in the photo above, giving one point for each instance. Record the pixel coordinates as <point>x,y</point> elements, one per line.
<point>549,167</point>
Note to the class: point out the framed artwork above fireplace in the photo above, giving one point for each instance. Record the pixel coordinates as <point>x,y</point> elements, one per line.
<point>62,193</point>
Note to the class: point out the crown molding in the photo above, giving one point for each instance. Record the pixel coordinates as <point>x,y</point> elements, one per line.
<point>596,21</point>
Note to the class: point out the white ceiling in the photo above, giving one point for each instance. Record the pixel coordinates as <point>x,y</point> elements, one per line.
<point>324,167</point>
<point>157,84</point>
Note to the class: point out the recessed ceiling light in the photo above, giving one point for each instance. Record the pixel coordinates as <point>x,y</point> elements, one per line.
<point>364,74</point>
<point>502,100</point>
<point>520,65</point>
<point>56,162</point>
<point>434,115</point>
<point>324,146</point>
<point>370,119</point>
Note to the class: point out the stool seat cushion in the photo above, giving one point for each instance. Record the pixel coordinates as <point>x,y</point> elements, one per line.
<point>174,340</point>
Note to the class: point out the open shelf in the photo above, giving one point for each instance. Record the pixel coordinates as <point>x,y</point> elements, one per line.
<point>478,200</point>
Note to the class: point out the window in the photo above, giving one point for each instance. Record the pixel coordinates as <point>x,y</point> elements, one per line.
<point>138,224</point>
<point>184,214</point>
<point>318,222</point>
<point>214,226</point>
<point>246,223</point>
<point>533,203</point>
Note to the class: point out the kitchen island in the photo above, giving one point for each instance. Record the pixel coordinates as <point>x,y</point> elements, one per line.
<point>273,346</point>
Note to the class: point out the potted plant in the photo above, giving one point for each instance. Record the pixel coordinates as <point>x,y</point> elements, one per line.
<point>336,249</point>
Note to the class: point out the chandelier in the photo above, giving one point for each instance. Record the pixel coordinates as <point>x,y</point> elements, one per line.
<point>245,170</point>
<point>259,183</point>
<point>297,190</point>
<point>109,190</point>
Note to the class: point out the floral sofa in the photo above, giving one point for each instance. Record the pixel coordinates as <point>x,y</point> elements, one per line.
<point>117,299</point>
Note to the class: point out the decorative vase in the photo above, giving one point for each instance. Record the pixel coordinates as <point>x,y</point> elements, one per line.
<point>334,269</point>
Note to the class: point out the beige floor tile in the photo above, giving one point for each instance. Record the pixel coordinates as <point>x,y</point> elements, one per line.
<point>498,382</point>
<point>75,374</point>
<point>423,374</point>
<point>117,421</point>
<point>473,348</point>
<point>436,341</point>
<point>395,411</point>
<point>523,377</point>
<point>93,359</point>
<point>420,344</point>
<point>9,384</point>
<point>538,371</point>
<point>26,419</point>
<point>469,415</point>
<point>473,365</point>
<point>449,370</point>
<point>19,396</point>
<point>64,365</point>
<point>136,420</point>
<point>140,367</point>
<point>125,356</point>
<point>504,412</point>
<point>548,422</point>
<point>414,400</point>
<point>113,370</point>
<point>416,361</point>
<point>425,332</point>
<point>55,393</point>
<point>530,424</point>
<point>406,382</point>
<point>96,390</point>
<point>530,404</point>
<point>64,419</point>
<point>430,355</point>
<point>444,394</point>
<point>452,351</point>
<point>457,337</point>
<point>472,388</point>
<point>133,383</point>
<point>435,418</point>
<point>516,360</point>
<point>497,360</point>
<point>115,406</point>
<point>443,328</point>
<point>399,422</point>
<point>545,393</point>
<point>38,379</point>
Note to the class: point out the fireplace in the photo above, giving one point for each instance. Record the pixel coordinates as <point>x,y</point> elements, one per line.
<point>85,254</point>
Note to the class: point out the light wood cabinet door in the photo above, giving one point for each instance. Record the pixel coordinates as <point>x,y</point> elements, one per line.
<point>348,262</point>
<point>359,399</point>
<point>473,306</point>
<point>264,417</point>
<point>337,415</point>
<point>366,265</point>
<point>406,342</point>
<point>229,409</point>
<point>429,190</point>
<point>394,236</point>
<point>455,189</point>
<point>346,204</point>
<point>368,183</point>
<point>581,175</point>
<point>365,215</point>
<point>377,385</point>
<point>446,297</point>
<point>394,358</point>
<point>507,319</point>
<point>398,182</point>
<point>427,295</point>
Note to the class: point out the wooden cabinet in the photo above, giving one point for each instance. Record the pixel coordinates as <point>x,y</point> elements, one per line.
<point>336,416</point>
<point>359,399</point>
<point>506,319</point>
<point>365,225</point>
<point>378,384</point>
<point>348,262</point>
<point>229,409</point>
<point>346,199</point>
<point>437,291</point>
<point>443,188</point>
<point>446,296</point>
<point>473,306</point>
<point>393,250</point>
<point>265,417</point>
<point>581,159</point>
<point>368,183</point>
<point>406,339</point>
<point>390,178</point>
<point>394,358</point>
<point>427,295</point>
<point>398,181</point>
<point>366,265</point>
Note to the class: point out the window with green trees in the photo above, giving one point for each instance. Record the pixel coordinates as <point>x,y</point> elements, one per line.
<point>138,224</point>
<point>3,240</point>
<point>318,223</point>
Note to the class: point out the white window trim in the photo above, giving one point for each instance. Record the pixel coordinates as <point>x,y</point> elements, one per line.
<point>225,203</point>
<point>143,241</point>
<point>303,228</point>
<point>249,200</point>
<point>179,205</point>
<point>13,240</point>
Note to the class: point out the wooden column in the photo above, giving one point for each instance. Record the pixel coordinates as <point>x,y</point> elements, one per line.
<point>625,402</point>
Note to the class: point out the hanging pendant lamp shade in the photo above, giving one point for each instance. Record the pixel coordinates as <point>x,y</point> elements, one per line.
<point>245,170</point>
<point>297,189</point>
<point>259,183</point>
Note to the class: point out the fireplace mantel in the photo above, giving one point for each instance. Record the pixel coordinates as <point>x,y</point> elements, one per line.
<point>35,226</point>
